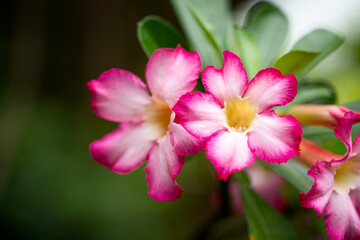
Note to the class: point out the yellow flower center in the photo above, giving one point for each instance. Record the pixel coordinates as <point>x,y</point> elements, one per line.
<point>158,116</point>
<point>347,176</point>
<point>240,113</point>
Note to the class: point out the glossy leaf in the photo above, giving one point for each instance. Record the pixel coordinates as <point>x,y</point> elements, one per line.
<point>248,50</point>
<point>319,92</point>
<point>215,16</point>
<point>320,40</point>
<point>269,27</point>
<point>294,62</point>
<point>294,172</point>
<point>242,178</point>
<point>212,36</point>
<point>355,105</point>
<point>263,221</point>
<point>155,32</point>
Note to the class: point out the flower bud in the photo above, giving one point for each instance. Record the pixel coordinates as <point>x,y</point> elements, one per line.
<point>323,115</point>
<point>310,153</point>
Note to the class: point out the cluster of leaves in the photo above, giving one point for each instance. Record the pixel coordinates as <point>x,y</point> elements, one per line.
<point>260,43</point>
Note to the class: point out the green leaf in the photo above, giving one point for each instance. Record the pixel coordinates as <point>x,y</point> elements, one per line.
<point>294,62</point>
<point>215,17</point>
<point>155,32</point>
<point>209,32</point>
<point>355,105</point>
<point>269,27</point>
<point>319,92</point>
<point>320,40</point>
<point>294,172</point>
<point>315,92</point>
<point>263,221</point>
<point>242,178</point>
<point>318,134</point>
<point>248,51</point>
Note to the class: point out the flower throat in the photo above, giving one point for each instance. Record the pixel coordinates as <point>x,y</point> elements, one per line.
<point>240,113</point>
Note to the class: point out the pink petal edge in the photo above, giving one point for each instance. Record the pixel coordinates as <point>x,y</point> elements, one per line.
<point>200,114</point>
<point>119,95</point>
<point>319,195</point>
<point>122,150</point>
<point>341,220</point>
<point>343,129</point>
<point>229,81</point>
<point>184,143</point>
<point>229,153</point>
<point>273,138</point>
<point>170,73</point>
<point>162,168</point>
<point>269,88</point>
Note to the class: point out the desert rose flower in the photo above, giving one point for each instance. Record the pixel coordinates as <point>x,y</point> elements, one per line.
<point>236,119</point>
<point>336,190</point>
<point>146,129</point>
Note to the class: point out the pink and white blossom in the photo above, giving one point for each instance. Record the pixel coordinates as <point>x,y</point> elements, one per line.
<point>337,185</point>
<point>235,116</point>
<point>146,129</point>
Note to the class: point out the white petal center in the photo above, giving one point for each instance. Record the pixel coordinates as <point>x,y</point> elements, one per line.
<point>158,116</point>
<point>347,177</point>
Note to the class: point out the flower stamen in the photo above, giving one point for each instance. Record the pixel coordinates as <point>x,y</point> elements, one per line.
<point>240,113</point>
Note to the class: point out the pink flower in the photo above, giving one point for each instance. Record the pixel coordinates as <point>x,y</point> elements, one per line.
<point>336,190</point>
<point>234,116</point>
<point>146,129</point>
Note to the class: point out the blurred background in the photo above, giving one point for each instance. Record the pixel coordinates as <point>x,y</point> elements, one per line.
<point>50,188</point>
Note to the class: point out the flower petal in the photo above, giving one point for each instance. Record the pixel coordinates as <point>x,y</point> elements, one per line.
<point>170,73</point>
<point>124,149</point>
<point>229,152</point>
<point>341,220</point>
<point>356,147</point>
<point>162,168</point>
<point>119,95</point>
<point>200,114</point>
<point>355,196</point>
<point>184,143</point>
<point>270,88</point>
<point>319,195</point>
<point>343,129</point>
<point>275,139</point>
<point>229,81</point>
